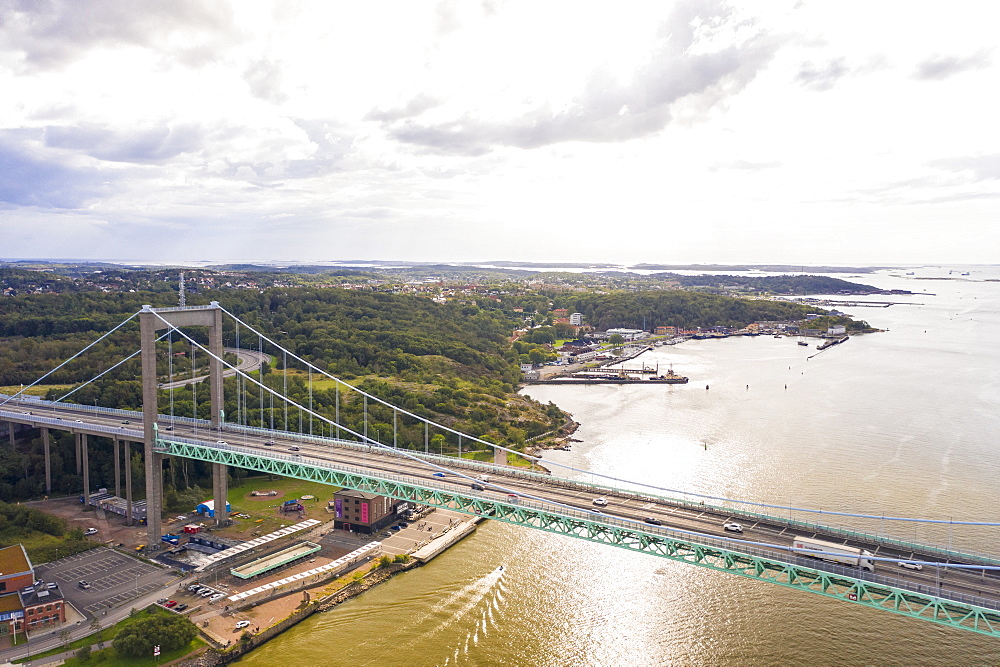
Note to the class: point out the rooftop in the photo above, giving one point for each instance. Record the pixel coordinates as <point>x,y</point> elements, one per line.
<point>14,560</point>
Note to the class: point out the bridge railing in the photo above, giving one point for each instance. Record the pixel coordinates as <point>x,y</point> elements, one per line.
<point>479,467</point>
<point>585,517</point>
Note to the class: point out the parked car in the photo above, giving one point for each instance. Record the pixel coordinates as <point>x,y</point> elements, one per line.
<point>242,624</point>
<point>161,600</point>
<point>83,584</point>
<point>181,607</point>
<point>170,603</point>
<point>207,593</point>
<point>216,597</point>
<point>90,531</point>
<point>732,527</point>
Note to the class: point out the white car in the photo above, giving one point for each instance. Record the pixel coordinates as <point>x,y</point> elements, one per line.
<point>90,531</point>
<point>910,566</point>
<point>242,624</point>
<point>732,527</point>
<point>216,597</point>
<point>601,502</point>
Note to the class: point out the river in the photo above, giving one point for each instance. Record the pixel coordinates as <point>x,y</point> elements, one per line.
<point>904,422</point>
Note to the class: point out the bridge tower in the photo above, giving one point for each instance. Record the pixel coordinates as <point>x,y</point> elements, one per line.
<point>149,323</point>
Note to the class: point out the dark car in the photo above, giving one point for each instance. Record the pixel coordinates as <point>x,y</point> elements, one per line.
<point>293,448</point>
<point>655,522</point>
<point>478,487</point>
<point>403,524</point>
<point>181,607</point>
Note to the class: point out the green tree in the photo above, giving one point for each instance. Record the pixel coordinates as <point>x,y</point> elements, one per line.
<point>616,339</point>
<point>137,639</point>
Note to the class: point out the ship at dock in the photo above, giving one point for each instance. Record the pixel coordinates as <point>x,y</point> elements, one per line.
<point>831,343</point>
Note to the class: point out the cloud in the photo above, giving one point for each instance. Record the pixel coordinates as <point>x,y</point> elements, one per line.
<point>822,77</point>
<point>980,167</point>
<point>32,176</point>
<point>264,79</point>
<point>938,68</point>
<point>155,144</point>
<point>682,67</point>
<point>51,33</point>
<point>416,106</point>
<point>747,165</point>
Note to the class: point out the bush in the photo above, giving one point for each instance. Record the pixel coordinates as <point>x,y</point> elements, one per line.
<point>137,639</point>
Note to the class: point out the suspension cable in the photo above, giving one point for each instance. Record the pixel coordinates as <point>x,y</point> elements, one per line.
<point>123,323</point>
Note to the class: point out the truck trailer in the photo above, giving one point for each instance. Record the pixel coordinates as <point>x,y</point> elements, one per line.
<point>834,553</point>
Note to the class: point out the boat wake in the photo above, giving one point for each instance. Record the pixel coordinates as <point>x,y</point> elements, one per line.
<point>470,612</point>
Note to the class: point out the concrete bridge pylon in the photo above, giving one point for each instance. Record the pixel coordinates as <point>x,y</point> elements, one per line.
<point>152,320</point>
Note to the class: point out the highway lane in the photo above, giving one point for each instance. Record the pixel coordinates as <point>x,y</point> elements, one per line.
<point>620,505</point>
<point>247,361</point>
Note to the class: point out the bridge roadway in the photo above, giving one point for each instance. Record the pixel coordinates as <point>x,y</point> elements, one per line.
<point>622,504</point>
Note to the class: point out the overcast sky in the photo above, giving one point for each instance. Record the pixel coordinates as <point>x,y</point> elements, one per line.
<point>798,132</point>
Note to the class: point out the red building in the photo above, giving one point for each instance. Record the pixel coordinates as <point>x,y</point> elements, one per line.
<point>25,605</point>
<point>362,512</point>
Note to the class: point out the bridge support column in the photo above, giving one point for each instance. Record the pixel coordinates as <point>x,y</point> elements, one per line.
<point>499,456</point>
<point>76,443</point>
<point>10,432</point>
<point>148,324</point>
<point>86,470</point>
<point>118,468</point>
<point>48,461</point>
<point>220,491</point>
<point>128,482</point>
<point>150,321</point>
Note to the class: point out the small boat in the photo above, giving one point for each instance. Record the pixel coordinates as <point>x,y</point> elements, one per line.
<point>803,343</point>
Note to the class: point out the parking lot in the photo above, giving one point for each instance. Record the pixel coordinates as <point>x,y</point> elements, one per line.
<point>115,579</point>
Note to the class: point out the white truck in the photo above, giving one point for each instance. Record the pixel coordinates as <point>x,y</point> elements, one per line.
<point>835,553</point>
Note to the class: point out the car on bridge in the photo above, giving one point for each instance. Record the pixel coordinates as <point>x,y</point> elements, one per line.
<point>910,566</point>
<point>439,474</point>
<point>477,487</point>
<point>732,527</point>
<point>601,502</point>
<point>269,443</point>
<point>293,448</point>
<point>653,521</point>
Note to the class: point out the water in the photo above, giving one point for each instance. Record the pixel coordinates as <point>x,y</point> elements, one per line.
<point>903,422</point>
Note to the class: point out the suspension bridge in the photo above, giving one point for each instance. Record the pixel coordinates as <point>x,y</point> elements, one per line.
<point>944,585</point>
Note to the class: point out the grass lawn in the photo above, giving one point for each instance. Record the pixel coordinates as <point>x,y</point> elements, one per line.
<point>107,635</point>
<point>109,658</point>
<point>264,514</point>
<point>42,547</point>
<point>487,457</point>
<point>37,390</point>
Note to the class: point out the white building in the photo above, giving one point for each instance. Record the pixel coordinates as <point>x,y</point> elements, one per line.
<point>576,319</point>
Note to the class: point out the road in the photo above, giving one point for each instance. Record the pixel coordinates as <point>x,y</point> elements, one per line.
<point>247,361</point>
<point>573,499</point>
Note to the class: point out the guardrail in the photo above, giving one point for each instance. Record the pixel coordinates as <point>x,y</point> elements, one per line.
<point>479,467</point>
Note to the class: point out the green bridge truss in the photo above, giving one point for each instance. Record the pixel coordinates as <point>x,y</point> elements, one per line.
<point>605,530</point>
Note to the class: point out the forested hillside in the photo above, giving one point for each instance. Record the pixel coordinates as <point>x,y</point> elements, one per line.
<point>683,309</point>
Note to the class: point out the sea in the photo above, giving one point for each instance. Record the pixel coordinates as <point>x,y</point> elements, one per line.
<point>900,423</point>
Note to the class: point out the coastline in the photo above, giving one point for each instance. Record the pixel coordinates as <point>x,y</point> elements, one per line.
<point>352,586</point>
